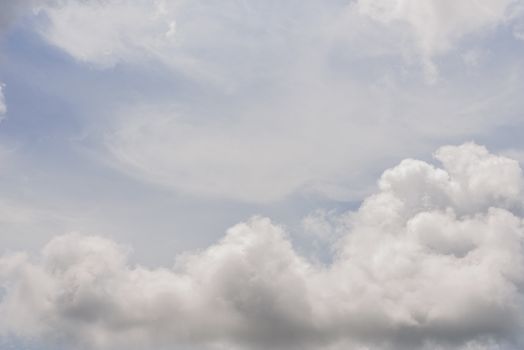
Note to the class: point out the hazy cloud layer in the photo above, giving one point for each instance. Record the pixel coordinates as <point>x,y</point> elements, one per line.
<point>433,260</point>
<point>319,91</point>
<point>322,135</point>
<point>266,100</point>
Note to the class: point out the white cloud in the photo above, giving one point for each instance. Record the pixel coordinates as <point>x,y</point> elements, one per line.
<point>124,28</point>
<point>259,161</point>
<point>3,107</point>
<point>319,136</point>
<point>283,98</point>
<point>433,260</point>
<point>127,31</point>
<point>107,32</point>
<point>437,26</point>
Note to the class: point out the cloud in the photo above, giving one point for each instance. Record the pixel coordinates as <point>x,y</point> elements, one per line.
<point>437,26</point>
<point>107,32</point>
<point>205,41</point>
<point>433,260</point>
<point>270,100</point>
<point>258,102</point>
<point>3,107</point>
<point>131,32</point>
<point>320,136</point>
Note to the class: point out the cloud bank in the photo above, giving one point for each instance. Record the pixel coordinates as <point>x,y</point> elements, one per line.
<point>433,260</point>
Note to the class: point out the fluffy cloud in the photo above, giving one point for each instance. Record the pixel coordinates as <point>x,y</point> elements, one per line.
<point>434,259</point>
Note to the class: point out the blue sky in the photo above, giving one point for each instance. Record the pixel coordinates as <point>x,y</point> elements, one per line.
<point>159,125</point>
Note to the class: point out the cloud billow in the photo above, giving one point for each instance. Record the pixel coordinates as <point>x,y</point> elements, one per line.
<point>433,260</point>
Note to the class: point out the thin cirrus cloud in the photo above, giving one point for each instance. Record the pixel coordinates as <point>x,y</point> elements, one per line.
<point>305,139</point>
<point>105,33</point>
<point>433,260</point>
<point>130,31</point>
<point>437,26</point>
<point>126,27</point>
<point>297,125</point>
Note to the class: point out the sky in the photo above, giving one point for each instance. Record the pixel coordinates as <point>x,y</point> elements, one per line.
<point>245,175</point>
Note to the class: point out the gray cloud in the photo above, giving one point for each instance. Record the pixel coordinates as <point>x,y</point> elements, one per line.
<point>433,260</point>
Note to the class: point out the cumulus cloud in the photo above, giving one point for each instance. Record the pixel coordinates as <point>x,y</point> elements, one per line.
<point>433,260</point>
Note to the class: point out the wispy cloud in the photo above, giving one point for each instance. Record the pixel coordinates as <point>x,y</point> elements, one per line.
<point>437,26</point>
<point>3,107</point>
